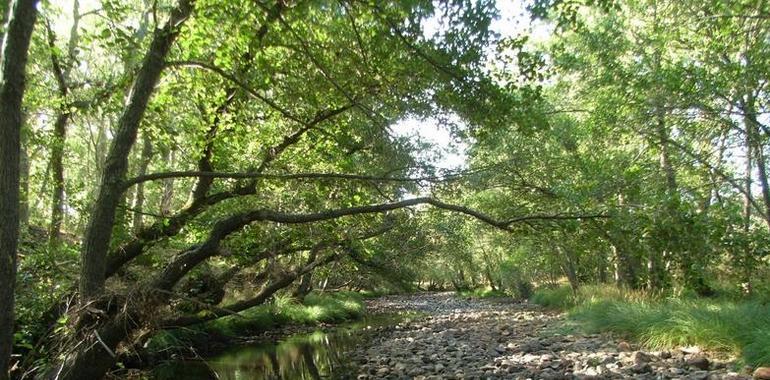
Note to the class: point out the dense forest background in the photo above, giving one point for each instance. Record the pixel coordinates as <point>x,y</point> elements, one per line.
<point>170,163</point>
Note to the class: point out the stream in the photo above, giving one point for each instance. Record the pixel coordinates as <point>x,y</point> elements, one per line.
<point>315,355</point>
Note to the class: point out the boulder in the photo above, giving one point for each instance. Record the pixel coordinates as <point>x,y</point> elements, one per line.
<point>699,362</point>
<point>762,373</point>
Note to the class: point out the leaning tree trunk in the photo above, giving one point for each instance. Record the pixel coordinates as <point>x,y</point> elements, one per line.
<point>12,71</point>
<point>99,230</point>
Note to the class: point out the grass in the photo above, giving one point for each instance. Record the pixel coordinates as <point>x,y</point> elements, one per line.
<point>316,309</point>
<point>741,328</point>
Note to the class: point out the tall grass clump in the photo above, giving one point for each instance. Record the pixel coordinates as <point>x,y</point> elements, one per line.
<point>561,297</point>
<point>741,328</point>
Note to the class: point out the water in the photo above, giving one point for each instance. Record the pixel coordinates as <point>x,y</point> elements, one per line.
<point>318,355</point>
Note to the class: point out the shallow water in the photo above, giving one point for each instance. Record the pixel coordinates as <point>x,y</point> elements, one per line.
<point>316,355</point>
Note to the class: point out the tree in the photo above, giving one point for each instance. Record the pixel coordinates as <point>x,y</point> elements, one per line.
<point>21,21</point>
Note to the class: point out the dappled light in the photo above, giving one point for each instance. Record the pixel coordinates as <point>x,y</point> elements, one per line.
<point>417,189</point>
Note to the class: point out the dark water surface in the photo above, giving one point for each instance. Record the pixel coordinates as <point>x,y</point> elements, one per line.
<point>318,355</point>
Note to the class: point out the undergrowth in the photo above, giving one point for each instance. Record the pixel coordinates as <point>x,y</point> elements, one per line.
<point>738,327</point>
<point>283,310</point>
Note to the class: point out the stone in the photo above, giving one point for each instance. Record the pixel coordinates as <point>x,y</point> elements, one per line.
<point>762,373</point>
<point>692,350</point>
<point>699,362</point>
<point>641,368</point>
<point>641,357</point>
<point>624,346</point>
<point>698,375</point>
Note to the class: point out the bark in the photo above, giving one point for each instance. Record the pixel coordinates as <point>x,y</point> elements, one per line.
<point>167,198</point>
<point>14,56</point>
<point>61,71</point>
<point>305,282</point>
<point>569,267</point>
<point>139,195</point>
<point>57,178</point>
<point>99,230</point>
<point>95,354</point>
<point>263,295</point>
<point>752,135</point>
<point>171,226</point>
<point>747,210</point>
<point>658,257</point>
<point>24,183</point>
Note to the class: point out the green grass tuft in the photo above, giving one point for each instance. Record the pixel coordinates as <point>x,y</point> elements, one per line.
<point>741,328</point>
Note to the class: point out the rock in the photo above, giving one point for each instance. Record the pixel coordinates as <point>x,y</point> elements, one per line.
<point>641,368</point>
<point>699,362</point>
<point>382,371</point>
<point>735,376</point>
<point>698,375</point>
<point>641,357</point>
<point>762,373</point>
<point>690,350</point>
<point>665,355</point>
<point>439,367</point>
<point>624,346</point>
<point>531,347</point>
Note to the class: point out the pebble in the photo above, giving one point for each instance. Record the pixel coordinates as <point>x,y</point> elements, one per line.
<point>498,339</point>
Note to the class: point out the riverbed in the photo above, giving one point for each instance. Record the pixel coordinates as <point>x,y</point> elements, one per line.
<point>453,338</point>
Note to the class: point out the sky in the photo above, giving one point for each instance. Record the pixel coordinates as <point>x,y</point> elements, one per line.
<point>513,20</point>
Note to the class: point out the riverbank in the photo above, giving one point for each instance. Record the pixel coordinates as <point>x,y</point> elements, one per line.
<point>500,339</point>
<point>280,319</point>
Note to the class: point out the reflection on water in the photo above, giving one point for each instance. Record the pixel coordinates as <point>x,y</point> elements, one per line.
<point>308,356</point>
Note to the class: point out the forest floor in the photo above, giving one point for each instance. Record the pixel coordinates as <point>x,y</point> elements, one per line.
<point>500,339</point>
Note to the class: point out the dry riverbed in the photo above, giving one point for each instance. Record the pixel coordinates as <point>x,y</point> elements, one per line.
<point>462,338</point>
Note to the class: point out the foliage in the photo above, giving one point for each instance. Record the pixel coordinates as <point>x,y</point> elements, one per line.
<point>628,144</point>
<point>316,309</point>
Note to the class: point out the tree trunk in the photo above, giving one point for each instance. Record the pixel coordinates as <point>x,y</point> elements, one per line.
<point>139,197</point>
<point>24,183</point>
<point>12,83</point>
<point>305,282</point>
<point>570,268</point>
<point>61,71</point>
<point>752,135</point>
<point>657,258</point>
<point>57,178</point>
<point>99,230</point>
<point>167,199</point>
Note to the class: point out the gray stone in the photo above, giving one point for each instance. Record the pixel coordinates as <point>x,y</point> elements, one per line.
<point>699,362</point>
